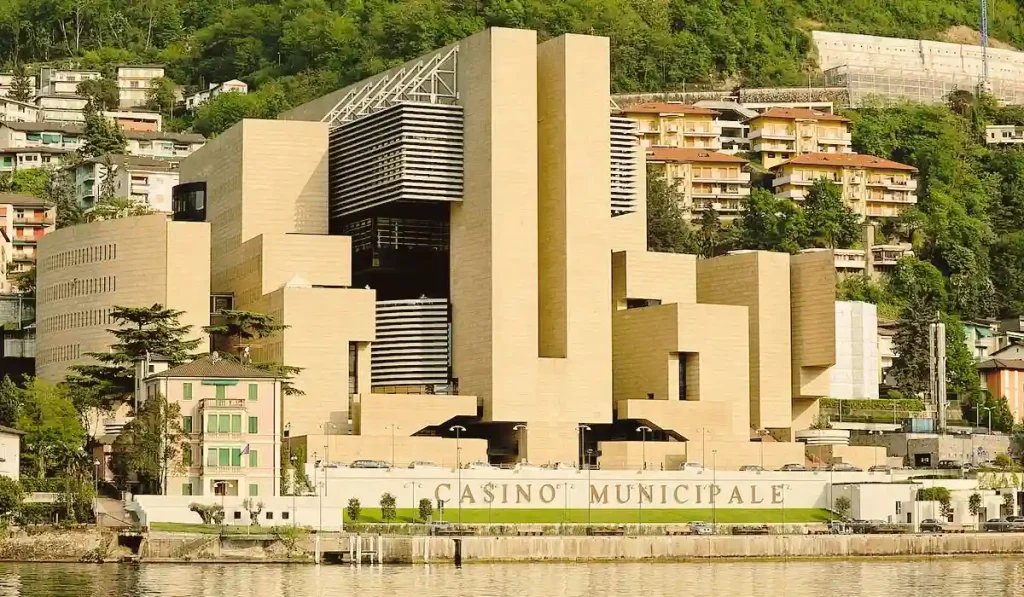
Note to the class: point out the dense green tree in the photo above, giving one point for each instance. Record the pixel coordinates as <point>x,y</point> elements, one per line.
<point>234,333</point>
<point>102,136</point>
<point>860,288</point>
<point>150,446</point>
<point>768,223</point>
<point>103,93</point>
<point>1008,269</point>
<point>161,96</point>
<point>10,402</point>
<point>710,237</point>
<point>961,374</point>
<point>25,281</point>
<point>21,85</point>
<point>830,222</point>
<point>28,181</point>
<point>667,228</point>
<point>53,431</point>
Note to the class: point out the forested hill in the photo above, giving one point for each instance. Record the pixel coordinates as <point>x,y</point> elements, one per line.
<point>311,46</point>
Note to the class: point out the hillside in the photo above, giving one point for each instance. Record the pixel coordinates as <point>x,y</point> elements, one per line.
<point>307,47</point>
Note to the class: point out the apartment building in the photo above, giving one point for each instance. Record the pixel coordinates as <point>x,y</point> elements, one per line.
<point>21,158</point>
<point>881,259</point>
<point>61,108</point>
<point>171,147</point>
<point>779,134</point>
<point>59,81</point>
<point>1004,134</point>
<point>18,111</point>
<point>85,271</point>
<point>24,220</point>
<point>873,187</point>
<point>732,118</point>
<point>137,120</point>
<point>192,102</point>
<point>142,179</point>
<point>675,124</point>
<point>230,414</point>
<point>134,82</point>
<point>7,81</point>
<point>705,178</point>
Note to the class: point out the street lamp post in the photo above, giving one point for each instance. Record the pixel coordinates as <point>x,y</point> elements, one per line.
<point>643,430</point>
<point>393,428</point>
<point>458,429</point>
<point>761,433</point>
<point>989,409</point>
<point>295,486</point>
<point>714,485</point>
<point>520,428</point>
<point>583,440</point>
<point>590,453</point>
<point>565,501</point>
<point>96,478</point>
<point>414,485</point>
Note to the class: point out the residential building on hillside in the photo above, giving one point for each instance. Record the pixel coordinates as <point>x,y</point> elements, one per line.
<point>137,120</point>
<point>873,187</point>
<point>68,136</point>
<point>880,260</point>
<point>779,134</point>
<point>85,271</point>
<point>59,81</point>
<point>172,147</point>
<point>732,118</point>
<point>7,79</point>
<point>10,452</point>
<point>24,220</point>
<point>192,102</point>
<point>23,158</point>
<point>143,179</point>
<point>1004,378</point>
<point>61,108</point>
<point>675,125</point>
<point>1004,134</point>
<point>231,417</point>
<point>134,82</point>
<point>705,178</point>
<point>19,111</point>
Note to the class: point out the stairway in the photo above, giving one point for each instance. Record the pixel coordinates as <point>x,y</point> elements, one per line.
<point>111,514</point>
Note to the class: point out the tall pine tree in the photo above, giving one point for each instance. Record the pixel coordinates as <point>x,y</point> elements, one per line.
<point>22,89</point>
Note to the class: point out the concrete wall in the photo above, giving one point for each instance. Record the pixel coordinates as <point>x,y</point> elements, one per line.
<point>277,511</point>
<point>947,447</point>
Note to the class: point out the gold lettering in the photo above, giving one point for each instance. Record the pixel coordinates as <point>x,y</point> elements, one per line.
<point>547,500</point>
<point>437,492</point>
<point>504,493</point>
<point>778,495</point>
<point>714,490</point>
<point>675,494</point>
<point>523,495</point>
<point>489,493</point>
<point>467,495</point>
<point>646,491</point>
<point>698,493</point>
<point>597,497</point>
<point>618,494</point>
<point>664,492</point>
<point>735,498</point>
<point>753,495</point>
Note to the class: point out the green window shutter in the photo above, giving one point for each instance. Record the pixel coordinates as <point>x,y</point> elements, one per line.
<point>254,425</point>
<point>223,457</point>
<point>186,391</point>
<point>186,489</point>
<point>186,424</point>
<point>254,490</point>
<point>211,457</point>
<point>211,423</point>
<point>6,160</point>
<point>254,460</point>
<point>225,423</point>
<point>186,456</point>
<point>236,423</point>
<point>222,392</point>
<point>254,392</point>
<point>236,457</point>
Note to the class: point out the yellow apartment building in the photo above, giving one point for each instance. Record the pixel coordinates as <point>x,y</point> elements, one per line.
<point>779,134</point>
<point>231,415</point>
<point>873,187</point>
<point>705,178</point>
<point>675,124</point>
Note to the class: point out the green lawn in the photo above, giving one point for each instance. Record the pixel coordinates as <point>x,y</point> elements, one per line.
<point>605,516</point>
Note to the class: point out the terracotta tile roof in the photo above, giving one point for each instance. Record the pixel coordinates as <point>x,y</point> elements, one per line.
<point>800,113</point>
<point>667,108</point>
<point>21,199</point>
<point>134,162</point>
<point>220,369</point>
<point>995,364</point>
<point>853,160</point>
<point>689,154</point>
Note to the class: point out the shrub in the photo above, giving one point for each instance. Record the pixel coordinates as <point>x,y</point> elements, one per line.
<point>1003,461</point>
<point>426,509</point>
<point>388,509</point>
<point>842,507</point>
<point>210,513</point>
<point>10,497</point>
<point>354,509</point>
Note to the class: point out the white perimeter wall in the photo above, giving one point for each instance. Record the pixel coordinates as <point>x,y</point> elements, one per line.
<point>856,372</point>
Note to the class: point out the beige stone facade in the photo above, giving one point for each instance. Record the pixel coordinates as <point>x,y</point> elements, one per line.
<point>85,271</point>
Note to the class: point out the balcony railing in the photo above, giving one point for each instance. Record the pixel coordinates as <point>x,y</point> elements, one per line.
<point>787,135</point>
<point>23,258</point>
<point>32,221</point>
<point>222,403</point>
<point>218,468</point>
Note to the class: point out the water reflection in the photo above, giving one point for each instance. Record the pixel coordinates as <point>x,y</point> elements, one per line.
<point>948,577</point>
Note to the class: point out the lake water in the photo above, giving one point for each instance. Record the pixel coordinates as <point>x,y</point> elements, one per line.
<point>942,577</point>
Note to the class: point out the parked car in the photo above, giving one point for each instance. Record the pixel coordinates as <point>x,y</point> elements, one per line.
<point>950,465</point>
<point>478,465</point>
<point>931,525</point>
<point>425,464</point>
<point>520,466</point>
<point>691,466</point>
<point>792,467</point>
<point>753,468</point>
<point>880,468</point>
<point>838,527</point>
<point>560,466</point>
<point>998,525</point>
<point>1015,523</point>
<point>370,464</point>
<point>843,467</point>
<point>700,528</point>
<point>335,465</point>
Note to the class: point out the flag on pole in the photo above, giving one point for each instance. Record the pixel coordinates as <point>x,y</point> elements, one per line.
<point>245,450</point>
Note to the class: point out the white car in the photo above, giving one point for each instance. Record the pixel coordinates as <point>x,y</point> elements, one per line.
<point>526,466</point>
<point>561,466</point>
<point>425,464</point>
<point>478,465</point>
<point>691,466</point>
